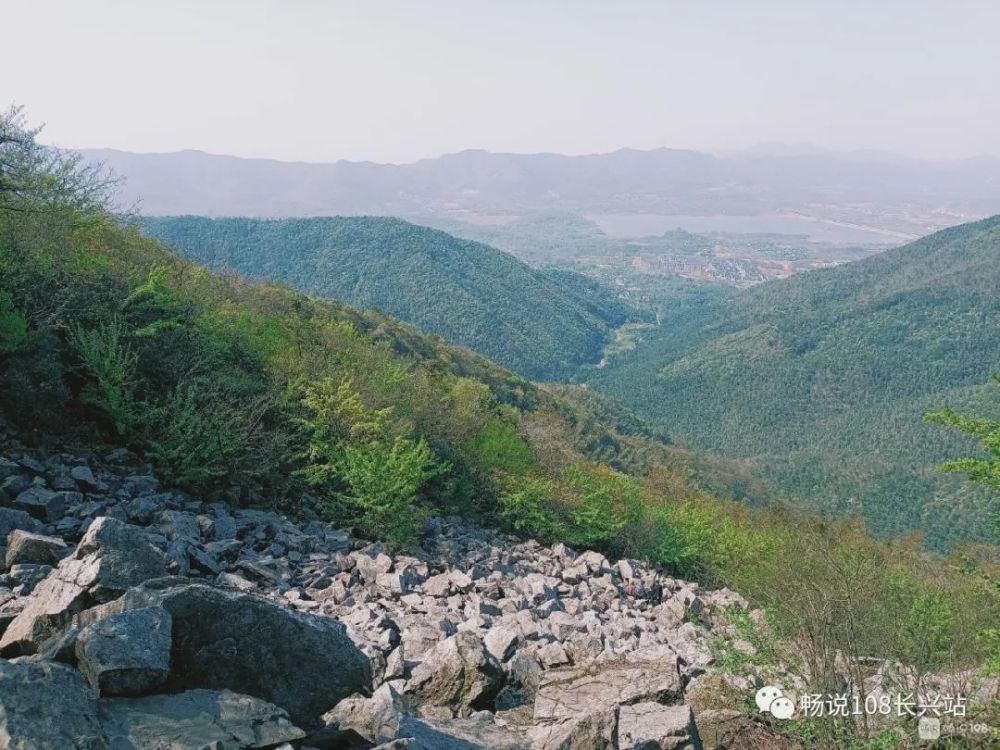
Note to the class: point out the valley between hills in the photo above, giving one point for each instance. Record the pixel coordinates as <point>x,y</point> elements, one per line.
<point>351,481</point>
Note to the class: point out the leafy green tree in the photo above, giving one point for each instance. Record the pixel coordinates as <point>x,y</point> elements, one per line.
<point>34,177</point>
<point>929,629</point>
<point>498,447</point>
<point>374,478</point>
<point>528,509</point>
<point>383,481</point>
<point>336,417</point>
<point>607,503</point>
<point>985,470</point>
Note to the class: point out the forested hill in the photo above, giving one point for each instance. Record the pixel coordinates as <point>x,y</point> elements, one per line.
<point>541,325</point>
<point>821,380</point>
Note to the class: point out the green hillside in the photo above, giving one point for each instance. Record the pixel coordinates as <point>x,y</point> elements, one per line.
<point>820,381</point>
<point>539,325</point>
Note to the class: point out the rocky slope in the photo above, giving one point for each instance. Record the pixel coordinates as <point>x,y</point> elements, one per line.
<point>134,617</point>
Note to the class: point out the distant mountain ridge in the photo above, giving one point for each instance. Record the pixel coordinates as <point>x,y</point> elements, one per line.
<point>820,381</point>
<point>661,181</point>
<point>542,325</point>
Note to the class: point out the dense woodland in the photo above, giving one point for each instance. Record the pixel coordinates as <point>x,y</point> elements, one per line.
<point>820,381</point>
<point>543,326</point>
<point>257,394</point>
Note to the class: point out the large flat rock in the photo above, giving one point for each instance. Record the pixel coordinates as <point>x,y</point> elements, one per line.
<point>456,677</point>
<point>572,692</point>
<point>653,726</point>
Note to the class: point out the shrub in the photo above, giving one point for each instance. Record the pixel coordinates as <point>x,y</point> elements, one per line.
<point>336,416</point>
<point>32,387</point>
<point>499,448</point>
<point>607,503</point>
<point>929,627</point>
<point>201,438</point>
<point>529,509</point>
<point>373,479</point>
<point>678,545</point>
<point>383,480</point>
<point>111,362</point>
<point>589,506</point>
<point>13,327</point>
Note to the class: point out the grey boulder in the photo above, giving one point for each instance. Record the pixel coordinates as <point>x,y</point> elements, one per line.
<point>456,677</point>
<point>11,519</point>
<point>23,547</point>
<point>376,719</point>
<point>595,730</point>
<point>384,718</point>
<point>127,653</point>
<point>571,692</point>
<point>194,720</point>
<point>477,732</point>
<point>45,705</point>
<point>111,557</point>
<point>41,503</point>
<point>124,558</point>
<point>84,478</point>
<point>228,640</point>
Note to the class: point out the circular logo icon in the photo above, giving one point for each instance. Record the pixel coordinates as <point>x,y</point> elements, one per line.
<point>771,700</point>
<point>782,708</point>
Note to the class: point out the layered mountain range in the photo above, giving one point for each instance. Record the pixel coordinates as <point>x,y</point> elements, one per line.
<point>891,193</point>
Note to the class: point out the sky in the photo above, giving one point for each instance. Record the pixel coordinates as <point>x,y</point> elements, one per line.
<point>322,80</point>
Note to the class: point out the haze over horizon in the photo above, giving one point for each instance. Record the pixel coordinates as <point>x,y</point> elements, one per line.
<point>766,148</point>
<point>393,83</point>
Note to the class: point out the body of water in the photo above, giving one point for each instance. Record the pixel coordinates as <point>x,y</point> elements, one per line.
<point>645,225</point>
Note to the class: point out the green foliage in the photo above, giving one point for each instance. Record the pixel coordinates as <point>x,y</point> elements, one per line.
<point>13,326</point>
<point>543,325</point>
<point>373,479</point>
<point>734,657</point>
<point>528,510</point>
<point>33,390</point>
<point>203,437</point>
<point>682,546</point>
<point>36,178</point>
<point>593,506</point>
<point>819,382</point>
<point>989,641</point>
<point>605,503</point>
<point>337,417</point>
<point>111,362</point>
<point>984,470</point>
<point>929,629</point>
<point>155,303</point>
<point>383,482</point>
<point>500,448</point>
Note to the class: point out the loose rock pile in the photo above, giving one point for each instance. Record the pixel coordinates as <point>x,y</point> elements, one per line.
<point>134,617</point>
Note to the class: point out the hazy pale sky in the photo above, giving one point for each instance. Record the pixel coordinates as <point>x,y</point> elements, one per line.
<point>321,80</point>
